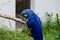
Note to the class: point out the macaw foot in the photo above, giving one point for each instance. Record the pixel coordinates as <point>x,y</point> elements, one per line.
<point>29,33</point>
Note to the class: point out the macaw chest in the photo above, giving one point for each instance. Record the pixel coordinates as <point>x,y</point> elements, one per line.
<point>34,27</point>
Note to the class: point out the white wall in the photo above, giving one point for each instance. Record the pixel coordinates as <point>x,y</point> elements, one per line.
<point>39,6</point>
<point>42,6</point>
<point>32,6</point>
<point>7,7</point>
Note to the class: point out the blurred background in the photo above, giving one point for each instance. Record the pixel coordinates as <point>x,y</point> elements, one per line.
<point>47,10</point>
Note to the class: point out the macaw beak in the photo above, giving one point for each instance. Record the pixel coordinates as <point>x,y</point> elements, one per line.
<point>23,19</point>
<point>24,22</point>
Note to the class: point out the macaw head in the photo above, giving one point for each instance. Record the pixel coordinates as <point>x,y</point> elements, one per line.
<point>25,14</point>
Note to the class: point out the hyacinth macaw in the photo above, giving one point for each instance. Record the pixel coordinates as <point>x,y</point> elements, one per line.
<point>33,22</point>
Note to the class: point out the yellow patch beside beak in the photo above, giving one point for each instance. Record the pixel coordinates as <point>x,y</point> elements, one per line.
<point>25,15</point>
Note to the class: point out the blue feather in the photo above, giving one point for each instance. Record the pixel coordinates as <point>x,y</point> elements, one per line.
<point>34,23</point>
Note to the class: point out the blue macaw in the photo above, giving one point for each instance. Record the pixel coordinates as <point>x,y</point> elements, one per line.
<point>33,22</point>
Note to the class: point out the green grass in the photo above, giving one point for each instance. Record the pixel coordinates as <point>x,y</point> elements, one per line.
<point>51,29</point>
<point>13,35</point>
<point>51,33</point>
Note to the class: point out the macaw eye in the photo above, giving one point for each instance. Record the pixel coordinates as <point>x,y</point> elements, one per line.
<point>25,15</point>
